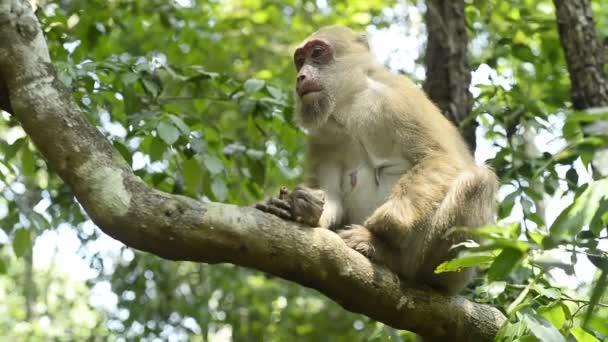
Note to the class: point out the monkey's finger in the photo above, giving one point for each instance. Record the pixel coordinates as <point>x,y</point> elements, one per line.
<point>282,213</point>
<point>284,193</point>
<point>348,227</point>
<point>350,230</point>
<point>279,203</point>
<point>344,233</point>
<point>267,207</point>
<point>261,206</point>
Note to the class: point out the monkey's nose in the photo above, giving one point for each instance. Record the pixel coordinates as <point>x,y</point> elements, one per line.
<point>301,78</point>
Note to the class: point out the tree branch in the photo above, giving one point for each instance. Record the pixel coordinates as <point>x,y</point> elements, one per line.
<point>180,228</point>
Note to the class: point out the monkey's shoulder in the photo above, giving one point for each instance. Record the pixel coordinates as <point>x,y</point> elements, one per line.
<point>386,104</point>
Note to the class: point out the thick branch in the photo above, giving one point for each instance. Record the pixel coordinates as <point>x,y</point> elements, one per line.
<point>585,54</point>
<point>447,69</point>
<point>180,228</point>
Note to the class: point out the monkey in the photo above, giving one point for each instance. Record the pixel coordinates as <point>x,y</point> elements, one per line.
<point>384,168</point>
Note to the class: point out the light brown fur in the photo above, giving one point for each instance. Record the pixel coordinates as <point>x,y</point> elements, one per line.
<point>390,165</point>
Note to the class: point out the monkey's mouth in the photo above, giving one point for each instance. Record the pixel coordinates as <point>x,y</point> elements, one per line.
<point>307,88</point>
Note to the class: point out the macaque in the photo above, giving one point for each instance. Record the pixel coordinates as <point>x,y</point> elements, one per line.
<point>385,169</point>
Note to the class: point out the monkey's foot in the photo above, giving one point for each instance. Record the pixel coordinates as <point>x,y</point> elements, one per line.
<point>359,238</point>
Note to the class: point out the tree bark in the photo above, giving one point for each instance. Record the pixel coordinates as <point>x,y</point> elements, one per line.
<point>5,103</point>
<point>448,76</point>
<point>585,54</point>
<point>180,228</point>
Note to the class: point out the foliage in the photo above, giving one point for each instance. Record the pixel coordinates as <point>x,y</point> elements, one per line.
<point>204,109</point>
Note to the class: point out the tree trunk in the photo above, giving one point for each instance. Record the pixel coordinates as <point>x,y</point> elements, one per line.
<point>448,76</point>
<point>585,54</point>
<point>5,104</point>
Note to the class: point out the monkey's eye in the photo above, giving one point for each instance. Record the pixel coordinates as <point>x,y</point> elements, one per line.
<point>299,61</point>
<point>317,51</point>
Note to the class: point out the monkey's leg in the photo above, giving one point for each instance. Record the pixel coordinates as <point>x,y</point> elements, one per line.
<point>470,202</point>
<point>413,202</point>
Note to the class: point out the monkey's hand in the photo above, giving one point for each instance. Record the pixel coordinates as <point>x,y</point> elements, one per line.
<point>303,205</point>
<point>358,238</point>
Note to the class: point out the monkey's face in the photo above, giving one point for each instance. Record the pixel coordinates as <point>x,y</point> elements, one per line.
<point>314,101</point>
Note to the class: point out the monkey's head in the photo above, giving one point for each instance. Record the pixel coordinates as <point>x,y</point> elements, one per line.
<point>330,66</point>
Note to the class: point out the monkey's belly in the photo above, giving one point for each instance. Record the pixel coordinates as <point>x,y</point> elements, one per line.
<point>365,189</point>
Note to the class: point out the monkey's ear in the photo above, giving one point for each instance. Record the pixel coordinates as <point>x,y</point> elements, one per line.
<point>362,39</point>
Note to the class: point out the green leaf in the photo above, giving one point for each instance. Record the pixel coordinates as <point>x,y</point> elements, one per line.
<point>596,294</point>
<point>505,263</point>
<point>219,189</point>
<point>533,194</point>
<point>495,288</point>
<point>198,145</point>
<point>129,78</point>
<point>124,151</point>
<point>167,132</point>
<point>587,117</point>
<point>247,106</point>
<point>541,328</point>
<point>180,124</point>
<point>255,154</point>
<point>554,313</point>
<point>507,204</point>
<point>523,52</point>
<point>599,324</point>
<point>551,293</point>
<point>11,150</point>
<point>275,92</point>
<point>600,219</point>
<point>463,262</point>
<point>193,175</point>
<point>580,213</point>
<point>512,331</point>
<point>28,163</point>
<point>582,336</point>
<point>213,164</point>
<point>253,85</point>
<point>151,87</point>
<point>258,171</point>
<point>39,221</point>
<point>157,149</point>
<point>3,266</point>
<point>21,242</point>
<point>572,131</point>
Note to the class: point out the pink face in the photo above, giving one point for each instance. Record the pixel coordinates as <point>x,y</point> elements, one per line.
<point>308,60</point>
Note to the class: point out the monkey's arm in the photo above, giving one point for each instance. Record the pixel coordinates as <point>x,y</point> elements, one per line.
<point>328,176</point>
